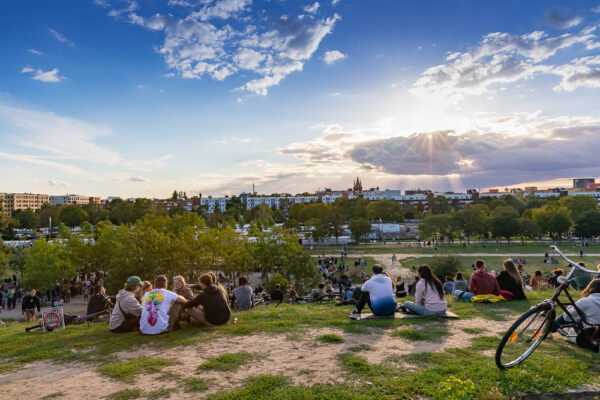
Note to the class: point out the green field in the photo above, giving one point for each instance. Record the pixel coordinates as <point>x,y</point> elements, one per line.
<point>314,328</point>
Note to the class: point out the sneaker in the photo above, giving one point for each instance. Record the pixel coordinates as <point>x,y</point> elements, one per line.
<point>355,314</point>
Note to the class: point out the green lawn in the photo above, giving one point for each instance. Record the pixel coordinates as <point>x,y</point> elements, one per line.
<point>555,367</point>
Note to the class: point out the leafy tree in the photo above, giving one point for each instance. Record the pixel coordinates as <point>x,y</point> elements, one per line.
<point>411,212</point>
<point>578,204</point>
<point>72,215</point>
<point>95,213</point>
<point>439,205</point>
<point>437,226</point>
<point>505,212</point>
<point>47,264</point>
<point>48,212</point>
<point>176,210</point>
<point>559,223</point>
<point>359,228</point>
<point>443,266</point>
<point>261,212</point>
<point>315,211</point>
<point>588,224</point>
<point>174,196</point>
<point>318,229</point>
<point>385,210</point>
<point>28,219</point>
<point>529,229</point>
<point>542,216</point>
<point>336,223</point>
<point>294,211</point>
<point>504,227</point>
<point>351,208</point>
<point>470,221</point>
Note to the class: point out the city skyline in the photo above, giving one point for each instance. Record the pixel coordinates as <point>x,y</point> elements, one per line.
<point>137,99</point>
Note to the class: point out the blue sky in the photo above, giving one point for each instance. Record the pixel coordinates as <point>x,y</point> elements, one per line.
<point>115,97</point>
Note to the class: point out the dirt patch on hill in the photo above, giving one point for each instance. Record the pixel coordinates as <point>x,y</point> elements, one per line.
<point>301,357</point>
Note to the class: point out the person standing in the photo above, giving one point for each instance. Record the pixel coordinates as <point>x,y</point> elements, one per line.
<point>30,303</point>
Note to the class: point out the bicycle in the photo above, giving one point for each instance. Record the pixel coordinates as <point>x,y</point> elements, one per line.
<point>528,332</point>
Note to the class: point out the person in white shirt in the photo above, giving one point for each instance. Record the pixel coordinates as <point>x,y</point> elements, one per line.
<point>429,295</point>
<point>161,308</point>
<point>589,304</point>
<point>378,293</point>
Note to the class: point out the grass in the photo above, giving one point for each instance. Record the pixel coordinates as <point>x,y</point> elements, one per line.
<point>53,395</point>
<point>193,384</point>
<point>427,334</point>
<point>126,394</point>
<point>227,362</point>
<point>362,347</point>
<point>330,338</point>
<point>127,371</point>
<point>163,393</point>
<point>473,331</point>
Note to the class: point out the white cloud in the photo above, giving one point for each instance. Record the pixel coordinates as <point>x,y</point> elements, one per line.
<point>137,179</point>
<point>596,9</point>
<point>102,3</point>
<point>36,160</point>
<point>140,86</point>
<point>332,56</point>
<point>43,76</point>
<point>58,182</point>
<point>499,58</point>
<point>34,51</point>
<point>312,9</point>
<point>268,47</point>
<point>60,37</point>
<point>335,2</point>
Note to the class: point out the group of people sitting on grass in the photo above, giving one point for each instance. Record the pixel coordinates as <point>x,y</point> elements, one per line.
<point>507,285</point>
<point>153,310</point>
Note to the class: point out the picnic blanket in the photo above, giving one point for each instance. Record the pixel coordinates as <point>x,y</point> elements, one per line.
<point>487,298</point>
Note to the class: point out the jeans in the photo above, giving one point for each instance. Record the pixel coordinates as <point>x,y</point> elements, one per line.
<point>422,310</point>
<point>129,325</point>
<point>382,307</point>
<point>463,295</point>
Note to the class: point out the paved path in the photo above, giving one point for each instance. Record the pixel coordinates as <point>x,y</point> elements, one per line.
<point>76,306</point>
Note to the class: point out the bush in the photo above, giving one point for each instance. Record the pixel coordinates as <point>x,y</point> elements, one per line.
<point>443,266</point>
<point>277,278</point>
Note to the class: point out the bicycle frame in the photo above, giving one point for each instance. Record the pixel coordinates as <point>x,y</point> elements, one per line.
<point>555,299</point>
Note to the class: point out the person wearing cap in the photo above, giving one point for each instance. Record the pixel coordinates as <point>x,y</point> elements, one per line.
<point>127,311</point>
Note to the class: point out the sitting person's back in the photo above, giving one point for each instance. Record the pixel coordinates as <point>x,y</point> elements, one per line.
<point>429,294</point>
<point>159,314</point>
<point>98,302</point>
<point>319,293</point>
<point>482,282</point>
<point>537,281</point>
<point>510,280</point>
<point>381,293</point>
<point>242,294</point>
<point>215,308</point>
<point>448,286</point>
<point>277,294</point>
<point>582,278</point>
<point>460,283</point>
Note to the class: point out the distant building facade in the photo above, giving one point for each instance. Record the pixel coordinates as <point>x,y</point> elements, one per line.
<point>22,201</point>
<point>580,183</point>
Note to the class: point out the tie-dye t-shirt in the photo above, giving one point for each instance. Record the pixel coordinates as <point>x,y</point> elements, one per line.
<point>156,305</point>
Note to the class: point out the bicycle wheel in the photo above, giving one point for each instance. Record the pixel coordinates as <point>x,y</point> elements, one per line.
<point>523,337</point>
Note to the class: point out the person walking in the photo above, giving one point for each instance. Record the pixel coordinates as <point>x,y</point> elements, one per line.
<point>31,302</point>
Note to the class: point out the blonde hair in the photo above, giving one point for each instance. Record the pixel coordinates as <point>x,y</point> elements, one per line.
<point>180,279</point>
<point>146,285</point>
<point>511,268</point>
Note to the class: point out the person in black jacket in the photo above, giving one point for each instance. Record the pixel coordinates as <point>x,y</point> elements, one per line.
<point>276,294</point>
<point>98,302</point>
<point>30,303</point>
<point>511,280</point>
<point>214,308</point>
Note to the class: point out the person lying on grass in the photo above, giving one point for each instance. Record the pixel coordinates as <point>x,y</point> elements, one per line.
<point>378,293</point>
<point>210,306</point>
<point>429,295</point>
<point>125,316</point>
<point>481,283</point>
<point>162,308</point>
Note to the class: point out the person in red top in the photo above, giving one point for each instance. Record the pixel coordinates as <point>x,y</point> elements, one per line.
<point>482,282</point>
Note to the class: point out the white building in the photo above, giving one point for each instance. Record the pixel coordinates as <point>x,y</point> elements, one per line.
<point>277,202</point>
<point>213,202</point>
<point>69,199</point>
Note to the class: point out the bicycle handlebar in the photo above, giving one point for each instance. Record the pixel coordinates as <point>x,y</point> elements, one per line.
<point>575,264</point>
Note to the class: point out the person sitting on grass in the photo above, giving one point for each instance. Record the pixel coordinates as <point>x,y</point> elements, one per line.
<point>589,304</point>
<point>401,290</point>
<point>553,280</point>
<point>209,307</point>
<point>344,283</point>
<point>511,281</point>
<point>242,295</point>
<point>291,293</point>
<point>378,293</point>
<point>537,281</point>
<point>98,302</point>
<point>582,278</point>
<point>448,286</point>
<point>161,308</point>
<point>481,283</point>
<point>460,283</point>
<point>146,287</point>
<point>126,313</point>
<point>429,295</point>
<point>276,294</point>
<point>319,293</point>
<point>181,288</point>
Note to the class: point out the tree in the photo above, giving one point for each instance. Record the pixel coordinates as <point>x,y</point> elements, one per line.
<point>48,212</point>
<point>27,218</point>
<point>588,224</point>
<point>559,223</point>
<point>315,210</point>
<point>470,221</point>
<point>385,210</point>
<point>437,226</point>
<point>529,229</point>
<point>443,266</point>
<point>542,216</point>
<point>72,215</point>
<point>336,223</point>
<point>504,227</point>
<point>318,229</point>
<point>439,205</point>
<point>174,196</point>
<point>359,228</point>
<point>578,204</point>
<point>47,264</point>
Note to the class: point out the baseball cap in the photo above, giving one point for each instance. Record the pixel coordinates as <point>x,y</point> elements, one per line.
<point>134,280</point>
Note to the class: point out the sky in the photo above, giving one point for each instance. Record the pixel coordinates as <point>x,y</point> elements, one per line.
<point>137,99</point>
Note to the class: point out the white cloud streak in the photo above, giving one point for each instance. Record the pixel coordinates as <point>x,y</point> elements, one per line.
<point>43,76</point>
<point>60,37</point>
<point>332,56</point>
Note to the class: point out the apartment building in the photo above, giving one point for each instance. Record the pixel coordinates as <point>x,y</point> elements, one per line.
<point>69,199</point>
<point>22,201</point>
<point>211,203</point>
<point>278,202</point>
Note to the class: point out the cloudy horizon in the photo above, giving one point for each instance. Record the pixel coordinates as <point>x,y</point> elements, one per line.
<point>137,99</point>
